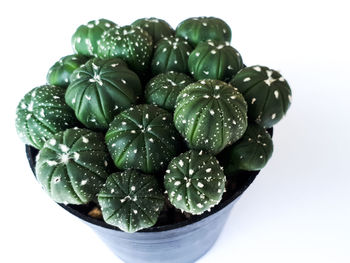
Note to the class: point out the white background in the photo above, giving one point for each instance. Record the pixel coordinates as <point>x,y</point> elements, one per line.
<point>297,210</point>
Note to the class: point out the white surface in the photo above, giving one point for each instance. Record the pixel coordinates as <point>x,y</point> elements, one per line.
<point>297,210</point>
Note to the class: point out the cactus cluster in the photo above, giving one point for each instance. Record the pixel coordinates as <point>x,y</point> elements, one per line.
<point>143,119</point>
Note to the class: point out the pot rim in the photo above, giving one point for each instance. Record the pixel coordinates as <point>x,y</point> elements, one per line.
<point>31,153</point>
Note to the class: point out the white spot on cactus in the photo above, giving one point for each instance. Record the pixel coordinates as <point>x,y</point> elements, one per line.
<point>64,148</point>
<point>30,106</point>
<point>290,98</point>
<point>51,163</point>
<point>200,185</point>
<point>261,156</point>
<point>177,183</point>
<point>208,170</point>
<point>88,97</point>
<point>181,163</point>
<point>64,158</point>
<point>83,182</point>
<point>146,116</point>
<point>135,211</point>
<point>85,140</point>
<point>276,94</point>
<point>112,190</point>
<point>105,163</point>
<point>179,197</point>
<point>133,131</point>
<point>281,79</point>
<point>197,54</point>
<point>212,112</point>
<point>246,79</point>
<point>183,121</point>
<point>206,96</point>
<point>151,140</point>
<point>233,97</point>
<point>199,205</point>
<point>42,113</point>
<point>253,100</point>
<point>76,156</point>
<point>219,191</point>
<point>273,116</point>
<point>190,171</point>
<point>23,106</point>
<point>257,68</point>
<point>56,97</point>
<point>269,79</point>
<point>133,188</point>
<point>123,80</point>
<point>73,100</point>
<point>52,142</point>
<point>213,52</point>
<point>206,72</point>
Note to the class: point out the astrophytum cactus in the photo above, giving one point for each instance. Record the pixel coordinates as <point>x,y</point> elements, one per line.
<point>73,165</point>
<point>131,200</point>
<point>267,93</point>
<point>194,182</point>
<point>210,114</point>
<point>155,27</point>
<point>42,113</point>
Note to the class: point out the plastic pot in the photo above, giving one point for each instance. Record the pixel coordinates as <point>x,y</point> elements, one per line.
<point>182,242</point>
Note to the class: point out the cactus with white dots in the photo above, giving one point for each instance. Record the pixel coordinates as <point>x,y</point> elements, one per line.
<point>267,93</point>
<point>143,137</point>
<point>214,60</point>
<point>195,182</point>
<point>86,38</point>
<point>250,153</point>
<point>163,89</point>
<point>73,165</point>
<point>210,114</point>
<point>100,89</point>
<point>41,113</point>
<point>155,27</point>
<point>131,200</point>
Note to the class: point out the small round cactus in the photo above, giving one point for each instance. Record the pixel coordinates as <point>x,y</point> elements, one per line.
<point>194,182</point>
<point>214,61</point>
<point>42,113</point>
<point>142,137</point>
<point>250,153</point>
<point>100,89</point>
<point>267,93</point>
<point>171,54</point>
<point>59,74</point>
<point>163,89</point>
<point>131,200</point>
<point>85,40</point>
<point>155,27</point>
<point>73,165</point>
<point>210,114</point>
<point>197,29</point>
<point>130,43</point>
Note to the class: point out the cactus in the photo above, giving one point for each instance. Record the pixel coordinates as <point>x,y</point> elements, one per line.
<point>267,93</point>
<point>132,44</point>
<point>171,54</point>
<point>131,200</point>
<point>142,137</point>
<point>163,89</point>
<point>197,29</point>
<point>194,182</point>
<point>211,60</point>
<point>100,89</point>
<point>85,40</point>
<point>73,165</point>
<point>59,74</point>
<point>210,114</point>
<point>250,153</point>
<point>42,113</point>
<point>156,28</point>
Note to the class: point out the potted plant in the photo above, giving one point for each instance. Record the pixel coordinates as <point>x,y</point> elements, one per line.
<point>152,159</point>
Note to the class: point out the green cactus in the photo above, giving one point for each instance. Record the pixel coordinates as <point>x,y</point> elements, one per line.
<point>85,40</point>
<point>130,43</point>
<point>267,93</point>
<point>163,89</point>
<point>210,114</point>
<point>171,54</point>
<point>195,182</point>
<point>155,27</point>
<point>100,89</point>
<point>59,74</point>
<point>73,165</point>
<point>142,137</point>
<point>42,113</point>
<point>250,153</point>
<point>131,200</point>
<point>197,29</point>
<point>211,60</point>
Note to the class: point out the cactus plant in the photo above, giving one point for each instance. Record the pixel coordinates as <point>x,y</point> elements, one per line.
<point>85,40</point>
<point>73,165</point>
<point>197,29</point>
<point>163,89</point>
<point>210,114</point>
<point>171,54</point>
<point>250,153</point>
<point>130,43</point>
<point>212,60</point>
<point>59,74</point>
<point>155,27</point>
<point>42,113</point>
<point>100,89</point>
<point>142,137</point>
<point>267,93</point>
<point>194,182</point>
<point>131,200</point>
